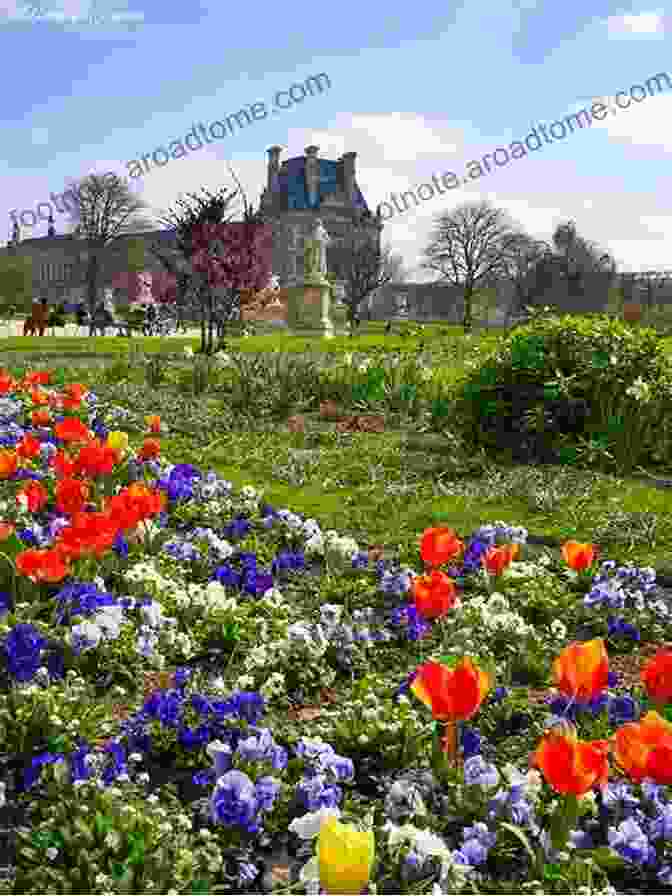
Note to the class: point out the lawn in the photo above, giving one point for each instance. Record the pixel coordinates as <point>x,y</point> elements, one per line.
<point>293,571</point>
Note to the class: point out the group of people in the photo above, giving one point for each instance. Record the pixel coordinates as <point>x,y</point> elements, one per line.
<point>38,320</point>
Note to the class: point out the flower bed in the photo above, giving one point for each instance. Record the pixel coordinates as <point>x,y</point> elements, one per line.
<point>204,693</point>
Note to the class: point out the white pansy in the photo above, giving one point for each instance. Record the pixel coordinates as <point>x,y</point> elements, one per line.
<point>308,826</point>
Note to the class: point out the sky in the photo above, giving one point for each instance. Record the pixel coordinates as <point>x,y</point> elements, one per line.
<point>415,90</point>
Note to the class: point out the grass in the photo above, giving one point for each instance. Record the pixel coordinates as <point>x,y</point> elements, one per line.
<point>386,488</point>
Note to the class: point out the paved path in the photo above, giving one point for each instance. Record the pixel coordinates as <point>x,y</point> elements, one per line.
<point>9,329</point>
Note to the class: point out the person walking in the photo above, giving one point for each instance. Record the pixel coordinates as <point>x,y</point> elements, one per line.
<point>39,317</point>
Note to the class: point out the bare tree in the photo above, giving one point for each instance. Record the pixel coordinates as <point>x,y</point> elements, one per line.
<point>577,257</point>
<point>104,211</point>
<point>366,267</point>
<point>521,265</point>
<point>470,247</point>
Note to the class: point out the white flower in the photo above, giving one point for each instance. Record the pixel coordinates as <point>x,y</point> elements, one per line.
<point>428,844</point>
<point>52,852</point>
<point>308,826</point>
<point>640,390</point>
<point>188,352</point>
<point>559,629</point>
<point>497,603</point>
<point>112,840</point>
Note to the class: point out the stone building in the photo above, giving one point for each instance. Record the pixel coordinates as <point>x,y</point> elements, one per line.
<point>304,188</point>
<point>59,261</point>
<point>297,192</point>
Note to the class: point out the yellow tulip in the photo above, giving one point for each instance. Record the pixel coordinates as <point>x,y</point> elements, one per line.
<point>118,440</point>
<point>345,857</point>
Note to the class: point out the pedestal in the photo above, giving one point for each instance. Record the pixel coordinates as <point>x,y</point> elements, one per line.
<point>308,309</point>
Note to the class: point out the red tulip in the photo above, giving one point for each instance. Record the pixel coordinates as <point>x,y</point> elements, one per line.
<point>42,566</point>
<point>581,670</point>
<point>496,559</point>
<point>434,594</point>
<point>579,556</point>
<point>656,676</point>
<point>644,748</point>
<point>28,447</point>
<point>33,496</point>
<point>37,378</point>
<point>63,464</point>
<point>569,765</point>
<point>440,545</point>
<point>151,448</point>
<point>71,495</point>
<point>72,430</point>
<point>96,458</point>
<point>7,384</point>
<point>451,694</point>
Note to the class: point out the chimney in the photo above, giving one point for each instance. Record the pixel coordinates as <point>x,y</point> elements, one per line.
<point>312,175</point>
<point>273,164</point>
<point>348,162</point>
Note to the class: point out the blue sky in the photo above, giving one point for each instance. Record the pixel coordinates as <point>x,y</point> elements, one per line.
<point>416,89</point>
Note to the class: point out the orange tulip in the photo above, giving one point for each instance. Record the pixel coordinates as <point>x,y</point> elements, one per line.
<point>153,421</point>
<point>581,670</point>
<point>434,594</point>
<point>644,748</point>
<point>656,676</point>
<point>451,694</point>
<point>75,391</point>
<point>9,462</point>
<point>151,448</point>
<point>440,545</point>
<point>41,417</point>
<point>579,556</point>
<point>39,396</point>
<point>496,559</point>
<point>6,529</point>
<point>570,765</point>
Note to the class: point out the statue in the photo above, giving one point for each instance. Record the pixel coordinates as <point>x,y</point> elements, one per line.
<point>315,257</point>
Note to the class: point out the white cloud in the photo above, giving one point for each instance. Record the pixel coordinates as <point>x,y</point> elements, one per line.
<point>643,24</point>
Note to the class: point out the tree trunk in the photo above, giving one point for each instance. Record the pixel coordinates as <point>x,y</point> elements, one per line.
<point>467,320</point>
<point>91,283</point>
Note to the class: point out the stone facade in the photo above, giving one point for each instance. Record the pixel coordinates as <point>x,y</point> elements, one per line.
<point>302,189</point>
<point>59,263</point>
<point>437,301</point>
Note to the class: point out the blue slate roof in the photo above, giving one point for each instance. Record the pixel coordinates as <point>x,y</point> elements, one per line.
<point>291,182</point>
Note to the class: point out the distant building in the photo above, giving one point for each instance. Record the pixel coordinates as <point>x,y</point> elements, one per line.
<point>59,261</point>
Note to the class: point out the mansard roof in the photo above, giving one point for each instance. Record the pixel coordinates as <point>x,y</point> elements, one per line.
<point>290,183</point>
